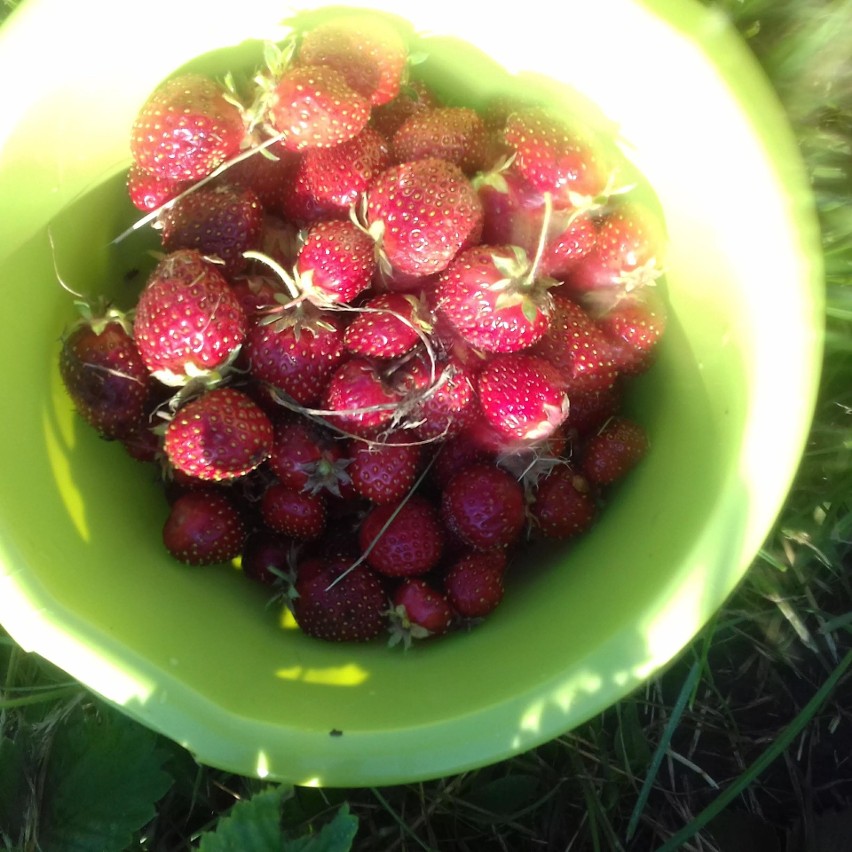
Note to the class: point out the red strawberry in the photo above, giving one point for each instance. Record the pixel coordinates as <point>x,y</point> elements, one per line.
<point>418,610</point>
<point>265,173</point>
<point>413,98</point>
<point>474,584</point>
<point>298,204</point>
<point>296,514</point>
<point>222,221</point>
<point>494,298</point>
<point>457,453</point>
<point>633,326</point>
<point>255,293</point>
<point>484,506</point>
<point>614,451</point>
<point>223,434</point>
<point>402,539</point>
<point>336,177</point>
<point>628,251</point>
<point>358,399</point>
<point>554,157</point>
<point>188,320</point>
<point>589,411</point>
<point>148,192</point>
<point>339,604</point>
<point>366,50</point>
<point>383,473</point>
<point>577,348</point>
<point>186,129</point>
<point>427,210</point>
<point>521,396</point>
<point>564,505</point>
<point>104,374</point>
<point>387,326</point>
<point>304,457</point>
<point>296,355</point>
<point>456,134</point>
<point>266,557</point>
<point>314,107</point>
<point>336,261</point>
<point>204,527</point>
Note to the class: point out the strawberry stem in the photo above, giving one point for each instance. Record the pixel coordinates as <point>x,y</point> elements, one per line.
<point>281,272</point>
<point>542,238</point>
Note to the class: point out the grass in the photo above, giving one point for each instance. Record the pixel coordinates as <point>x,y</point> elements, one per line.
<point>742,743</point>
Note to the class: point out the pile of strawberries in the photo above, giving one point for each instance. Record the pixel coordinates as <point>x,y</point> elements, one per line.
<point>386,343</point>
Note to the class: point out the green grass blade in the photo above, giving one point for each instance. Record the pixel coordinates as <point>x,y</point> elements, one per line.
<point>783,741</point>
<point>685,694</point>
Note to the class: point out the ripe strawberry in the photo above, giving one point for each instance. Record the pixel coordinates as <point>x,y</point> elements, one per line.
<point>628,251</point>
<point>474,584</point>
<point>148,192</point>
<point>305,457</point>
<point>457,453</point>
<point>456,134</point>
<point>614,451</point>
<point>255,293</point>
<point>402,539</point>
<point>414,97</point>
<point>484,506</point>
<point>336,177</point>
<point>314,107</point>
<point>589,411</point>
<point>563,506</point>
<point>577,348</point>
<point>204,527</point>
<point>265,173</point>
<point>266,557</point>
<point>387,326</point>
<point>186,129</point>
<point>221,221</point>
<point>104,374</point>
<point>427,210</point>
<point>494,298</point>
<point>521,396</point>
<point>296,514</point>
<point>383,473</point>
<point>554,157</point>
<point>336,261</point>
<point>358,400</point>
<point>222,434</point>
<point>633,326</point>
<point>188,320</point>
<point>296,355</point>
<point>418,611</point>
<point>339,604</point>
<point>298,204</point>
<point>366,50</point>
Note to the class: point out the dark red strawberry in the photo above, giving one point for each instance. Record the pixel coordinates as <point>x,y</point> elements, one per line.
<point>265,173</point>
<point>426,211</point>
<point>295,355</point>
<point>358,400</point>
<point>384,473</point>
<point>222,434</point>
<point>336,177</point>
<point>414,97</point>
<point>521,396</point>
<point>314,107</point>
<point>104,374</point>
<point>387,326</point>
<point>484,506</point>
<point>633,326</point>
<point>148,192</point>
<point>220,221</point>
<point>628,251</point>
<point>402,539</point>
<point>474,584</point>
<point>255,293</point>
<point>338,603</point>
<point>305,457</point>
<point>336,261</point>
<point>564,505</point>
<point>419,610</point>
<point>589,411</point>
<point>456,134</point>
<point>188,320</point>
<point>494,298</point>
<point>267,557</point>
<point>564,160</point>
<point>204,527</point>
<point>576,346</point>
<point>186,129</point>
<point>457,453</point>
<point>368,51</point>
<point>297,514</point>
<point>614,451</point>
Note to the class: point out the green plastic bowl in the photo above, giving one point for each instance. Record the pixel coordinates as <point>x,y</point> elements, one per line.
<point>193,653</point>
